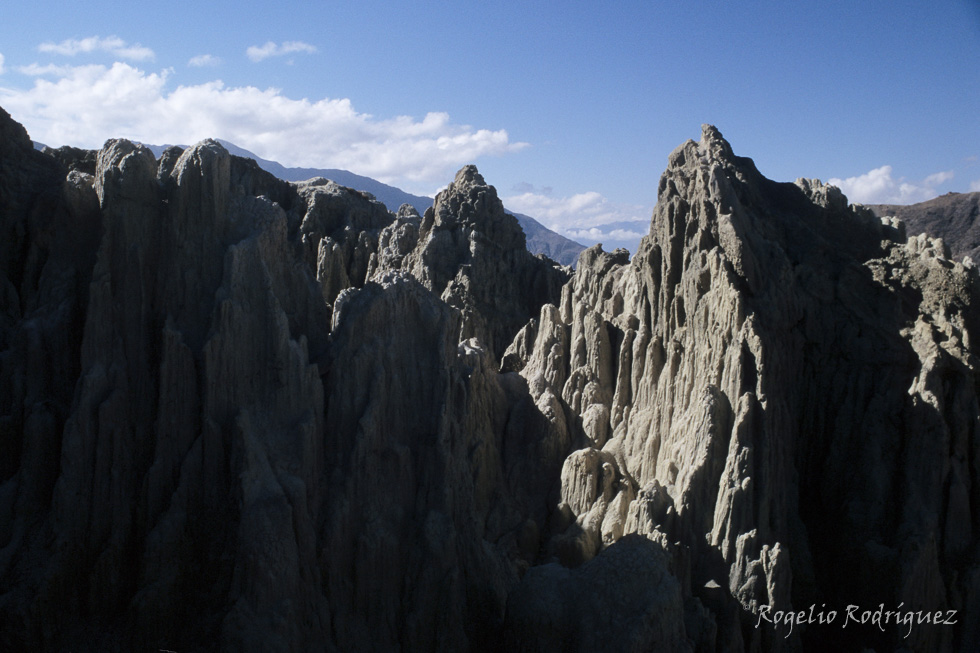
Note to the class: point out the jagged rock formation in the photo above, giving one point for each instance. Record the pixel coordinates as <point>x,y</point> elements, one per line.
<point>954,217</point>
<point>166,411</point>
<point>540,239</point>
<point>396,241</point>
<point>340,232</point>
<point>472,254</point>
<point>183,412</point>
<point>789,389</point>
<point>238,414</point>
<point>74,158</point>
<point>454,468</point>
<point>50,226</point>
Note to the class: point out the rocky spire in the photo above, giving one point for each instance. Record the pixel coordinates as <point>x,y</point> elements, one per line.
<point>759,390</point>
<point>181,429</point>
<point>473,255</point>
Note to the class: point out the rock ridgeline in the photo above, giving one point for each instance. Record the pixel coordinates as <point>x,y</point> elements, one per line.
<point>781,390</point>
<point>219,434</point>
<point>239,414</point>
<point>540,240</point>
<point>954,217</point>
<point>472,253</point>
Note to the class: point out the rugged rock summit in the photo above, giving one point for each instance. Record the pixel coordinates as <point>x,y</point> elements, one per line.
<point>214,440</point>
<point>339,232</point>
<point>239,414</point>
<point>789,392</point>
<point>472,254</point>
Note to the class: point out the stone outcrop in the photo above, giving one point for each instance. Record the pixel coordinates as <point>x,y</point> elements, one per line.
<point>170,426</point>
<point>240,414</point>
<point>218,435</point>
<point>50,227</point>
<point>454,467</point>
<point>623,600</point>
<point>472,254</point>
<point>540,240</point>
<point>789,391</point>
<point>74,158</point>
<point>340,231</point>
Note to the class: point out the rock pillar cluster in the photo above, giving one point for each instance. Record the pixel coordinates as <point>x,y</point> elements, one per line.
<point>241,414</point>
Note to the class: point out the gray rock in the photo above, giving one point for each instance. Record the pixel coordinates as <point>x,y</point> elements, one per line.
<point>185,479</point>
<point>239,414</point>
<point>73,158</point>
<point>770,360</point>
<point>623,600</point>
<point>954,217</point>
<point>49,231</point>
<point>472,254</point>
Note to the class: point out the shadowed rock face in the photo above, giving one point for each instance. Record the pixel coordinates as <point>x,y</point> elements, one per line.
<point>473,255</point>
<point>193,460</point>
<point>238,414</point>
<point>50,227</point>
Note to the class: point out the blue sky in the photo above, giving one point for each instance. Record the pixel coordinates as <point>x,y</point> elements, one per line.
<point>569,109</point>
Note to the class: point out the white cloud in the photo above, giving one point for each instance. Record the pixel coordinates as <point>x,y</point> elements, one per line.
<point>86,105</point>
<point>202,60</point>
<point>596,234</point>
<point>975,186</point>
<point>938,178</point>
<point>583,210</point>
<point>111,44</point>
<point>1,64</point>
<point>270,49</point>
<point>37,70</point>
<point>587,217</point>
<point>879,187</point>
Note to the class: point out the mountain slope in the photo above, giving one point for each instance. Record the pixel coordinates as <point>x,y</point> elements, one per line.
<point>541,240</point>
<point>954,217</point>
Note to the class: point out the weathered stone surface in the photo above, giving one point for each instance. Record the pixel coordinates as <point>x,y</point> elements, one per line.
<point>188,481</point>
<point>426,539</point>
<point>770,361</point>
<point>954,217</point>
<point>472,254</point>
<point>74,158</point>
<point>623,600</point>
<point>239,414</point>
<point>49,229</point>
<point>397,240</point>
<point>340,231</point>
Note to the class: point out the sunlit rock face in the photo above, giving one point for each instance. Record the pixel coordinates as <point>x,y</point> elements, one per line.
<point>782,390</point>
<point>239,414</point>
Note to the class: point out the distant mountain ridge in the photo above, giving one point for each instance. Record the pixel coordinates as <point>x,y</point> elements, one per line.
<point>954,217</point>
<point>540,239</point>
